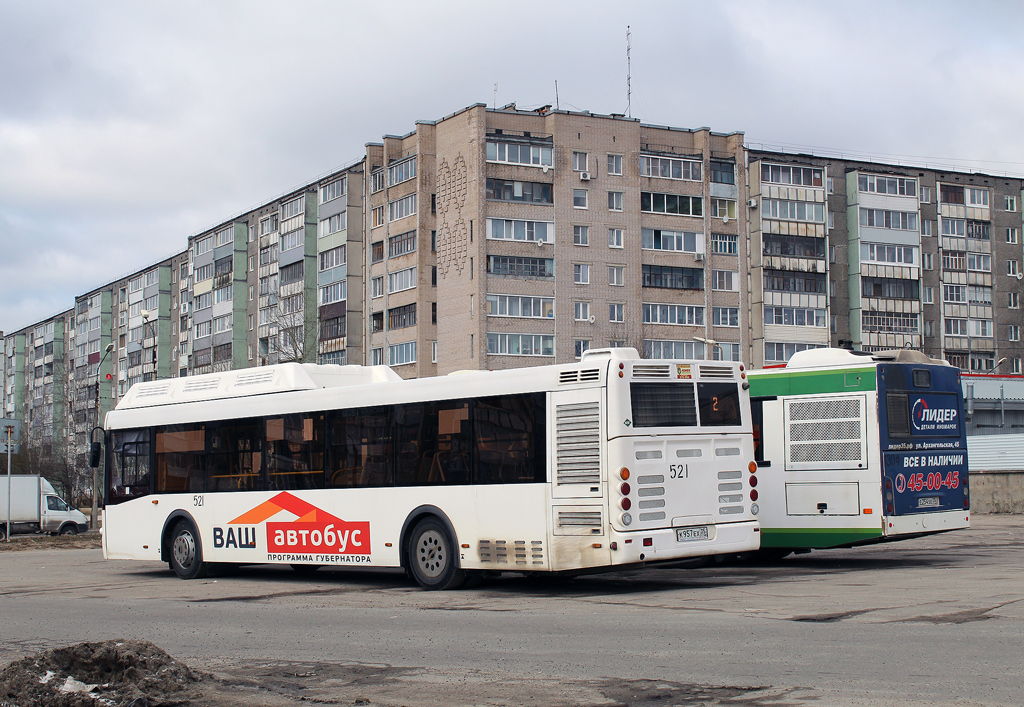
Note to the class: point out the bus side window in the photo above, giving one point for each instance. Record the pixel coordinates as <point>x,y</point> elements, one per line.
<point>181,458</point>
<point>235,460</point>
<point>508,436</point>
<point>359,448</point>
<point>295,452</point>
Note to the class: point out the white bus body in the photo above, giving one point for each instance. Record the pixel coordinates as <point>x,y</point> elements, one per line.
<point>567,507</point>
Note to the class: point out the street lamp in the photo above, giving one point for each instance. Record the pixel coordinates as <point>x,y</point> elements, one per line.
<point>709,342</point>
<point>93,445</point>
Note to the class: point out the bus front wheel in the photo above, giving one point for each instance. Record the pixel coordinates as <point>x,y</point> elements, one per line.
<point>187,551</point>
<point>432,556</point>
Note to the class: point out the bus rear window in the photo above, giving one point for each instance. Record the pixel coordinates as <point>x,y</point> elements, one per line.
<point>663,405</point>
<point>719,404</point>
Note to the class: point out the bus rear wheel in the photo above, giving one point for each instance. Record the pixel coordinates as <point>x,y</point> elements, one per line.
<point>187,551</point>
<point>432,559</point>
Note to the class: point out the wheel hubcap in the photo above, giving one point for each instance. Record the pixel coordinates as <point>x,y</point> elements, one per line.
<point>432,554</point>
<point>184,549</point>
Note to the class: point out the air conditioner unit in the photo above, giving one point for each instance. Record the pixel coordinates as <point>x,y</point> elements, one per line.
<point>752,203</point>
<point>584,176</point>
<point>698,257</point>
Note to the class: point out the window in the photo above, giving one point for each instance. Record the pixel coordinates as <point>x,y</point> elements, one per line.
<point>401,244</point>
<point>981,262</point>
<point>378,216</point>
<point>616,312</point>
<point>793,210</point>
<point>977,197</point>
<point>889,288</point>
<point>332,191</point>
<point>928,295</point>
<point>401,317</point>
<point>581,235</point>
<point>889,323</point>
<point>660,348</point>
<point>1013,300</point>
<point>377,356</point>
<point>222,324</point>
<point>400,354</point>
<point>529,192</point>
<point>579,198</point>
<point>335,257</point>
<point>723,172</point>
<point>831,254</point>
<point>267,225</point>
<point>377,321</point>
<point>980,327</point>
<point>333,328</point>
<point>725,280</point>
<point>672,278</point>
<point>1012,267</point>
<point>885,253</point>
<point>929,328</point>
<point>581,311</point>
<point>1015,366</point>
<point>1013,332</point>
<point>791,281</point>
<point>926,228</point>
<point>927,261</point>
<point>520,344</point>
<point>677,314</point>
<point>581,273</point>
<point>204,300</point>
<point>401,171</point>
<point>222,294</point>
<point>897,186</point>
<point>660,239</point>
<point>670,168</point>
<point>979,230</point>
<point>377,181</point>
<point>786,174</point>
<point>135,284</point>
<point>203,245</point>
<point>954,260</point>
<point>831,220</point>
<point>1010,203</point>
<point>778,352</point>
<point>880,218</point>
<point>579,161</point>
<point>515,266</point>
<point>723,208</point>
<point>951,194</point>
<point>795,316</point>
<point>615,199</point>
<point>515,230</point>
<point>674,204</point>
<point>433,352</point>
<point>252,322</point>
<point>926,195</point>
<point>511,153</point>
<point>615,164</point>
<point>725,316</point>
<point>580,346</point>
<point>400,208</point>
<point>292,239</point>
<point>614,237</point>
<point>204,272</point>
<point>333,224</point>
<point>800,246</point>
<point>520,306</point>
<point>203,329</point>
<point>402,280</point>
<point>335,292</point>
<point>828,185</point>
<point>615,275</point>
<point>1012,235</point>
<point>956,327</point>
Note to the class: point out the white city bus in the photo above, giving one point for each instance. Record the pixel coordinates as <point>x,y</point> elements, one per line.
<point>608,462</point>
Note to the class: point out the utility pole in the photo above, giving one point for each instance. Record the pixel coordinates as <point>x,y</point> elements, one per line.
<point>96,469</point>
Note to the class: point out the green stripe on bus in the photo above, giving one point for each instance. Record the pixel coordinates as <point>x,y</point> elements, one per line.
<point>844,380</point>
<point>816,537</point>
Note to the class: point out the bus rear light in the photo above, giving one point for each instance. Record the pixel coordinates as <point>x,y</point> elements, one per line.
<point>741,366</point>
<point>753,480</point>
<point>888,484</point>
<point>753,494</point>
<point>967,503</point>
<point>752,467</point>
<point>868,511</point>
<point>624,489</point>
<point>623,473</point>
<point>754,510</point>
<point>613,545</point>
<point>626,504</point>
<point>627,519</point>
<point>621,374</point>
<point>648,542</point>
<point>888,509</point>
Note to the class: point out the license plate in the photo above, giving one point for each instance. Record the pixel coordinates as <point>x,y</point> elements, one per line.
<point>698,532</point>
<point>928,502</point>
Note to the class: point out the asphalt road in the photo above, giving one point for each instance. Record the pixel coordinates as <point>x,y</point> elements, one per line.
<point>936,620</point>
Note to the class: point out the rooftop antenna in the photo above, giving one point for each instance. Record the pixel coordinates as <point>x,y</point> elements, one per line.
<point>629,75</point>
<point>556,95</point>
<point>495,102</point>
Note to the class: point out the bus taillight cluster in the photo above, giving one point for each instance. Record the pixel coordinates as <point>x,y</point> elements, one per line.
<point>625,503</point>
<point>752,468</point>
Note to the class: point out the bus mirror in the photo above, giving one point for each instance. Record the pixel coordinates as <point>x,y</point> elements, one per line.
<point>94,454</point>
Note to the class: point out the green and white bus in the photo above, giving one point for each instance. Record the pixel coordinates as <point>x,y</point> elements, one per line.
<point>858,448</point>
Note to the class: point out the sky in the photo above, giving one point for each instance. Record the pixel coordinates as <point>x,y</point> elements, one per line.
<point>126,127</point>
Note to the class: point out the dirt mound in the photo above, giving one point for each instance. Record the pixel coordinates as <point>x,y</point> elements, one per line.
<point>119,673</point>
<point>51,542</point>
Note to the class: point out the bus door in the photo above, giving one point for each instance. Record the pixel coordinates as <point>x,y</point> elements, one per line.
<point>923,439</point>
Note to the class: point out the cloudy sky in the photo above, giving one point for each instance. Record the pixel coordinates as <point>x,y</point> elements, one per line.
<point>125,127</point>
